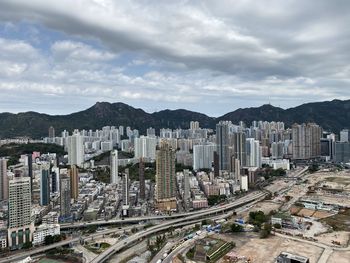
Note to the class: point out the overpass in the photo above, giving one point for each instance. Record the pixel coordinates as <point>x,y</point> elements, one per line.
<point>189,219</point>
<point>134,220</point>
<point>42,249</point>
<point>175,221</point>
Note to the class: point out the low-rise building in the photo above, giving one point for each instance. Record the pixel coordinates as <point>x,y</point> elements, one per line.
<point>43,231</point>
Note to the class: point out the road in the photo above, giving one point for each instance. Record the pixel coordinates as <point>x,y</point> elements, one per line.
<point>144,218</point>
<point>43,249</point>
<point>190,219</point>
<point>197,216</point>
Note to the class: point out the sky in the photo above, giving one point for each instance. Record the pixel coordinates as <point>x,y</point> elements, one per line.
<point>213,57</point>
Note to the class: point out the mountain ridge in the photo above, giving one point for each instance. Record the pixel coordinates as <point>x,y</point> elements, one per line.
<point>331,115</point>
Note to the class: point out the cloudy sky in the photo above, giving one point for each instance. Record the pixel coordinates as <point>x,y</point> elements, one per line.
<point>62,56</point>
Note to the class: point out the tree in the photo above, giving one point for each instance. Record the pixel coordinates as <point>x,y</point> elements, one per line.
<point>277,226</point>
<point>236,228</point>
<point>266,230</point>
<point>27,245</point>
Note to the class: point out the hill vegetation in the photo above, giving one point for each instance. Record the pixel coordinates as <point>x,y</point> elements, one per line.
<point>331,115</point>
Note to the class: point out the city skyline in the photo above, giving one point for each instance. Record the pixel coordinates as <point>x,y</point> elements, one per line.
<point>172,55</point>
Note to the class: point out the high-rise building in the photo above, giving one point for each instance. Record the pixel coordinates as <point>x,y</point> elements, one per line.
<point>125,189</point>
<point>54,179</point>
<point>342,152</point>
<point>239,149</point>
<point>75,146</point>
<point>327,148</point>
<point>51,132</point>
<point>142,179</point>
<point>30,170</point>
<point>344,135</point>
<point>253,151</point>
<point>20,226</point>
<point>151,132</point>
<point>114,167</point>
<point>121,130</point>
<point>216,164</point>
<point>65,197</point>
<point>194,125</point>
<point>223,145</point>
<point>44,187</point>
<point>306,141</point>
<point>166,177</point>
<point>186,186</point>
<point>236,169</point>
<point>4,194</point>
<point>145,147</point>
<point>277,150</point>
<point>74,181</point>
<point>203,156</point>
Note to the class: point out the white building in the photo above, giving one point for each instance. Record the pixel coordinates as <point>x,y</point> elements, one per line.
<point>3,241</point>
<point>114,167</point>
<point>145,147</point>
<point>277,164</point>
<point>43,231</point>
<point>106,146</point>
<point>203,156</point>
<point>20,225</point>
<point>244,182</point>
<point>254,153</point>
<point>344,135</point>
<point>75,147</point>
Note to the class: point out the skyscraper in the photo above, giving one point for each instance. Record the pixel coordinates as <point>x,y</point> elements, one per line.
<point>114,167</point>
<point>51,132</point>
<point>344,135</point>
<point>306,141</point>
<point>75,146</point>
<point>30,170</point>
<point>223,145</point>
<point>166,177</point>
<point>20,227</point>
<point>239,149</point>
<point>4,194</point>
<point>186,186</point>
<point>203,156</point>
<point>126,186</point>
<point>145,147</point>
<point>74,181</point>
<point>44,187</point>
<point>253,151</point>
<point>194,125</point>
<point>142,179</point>
<point>65,197</point>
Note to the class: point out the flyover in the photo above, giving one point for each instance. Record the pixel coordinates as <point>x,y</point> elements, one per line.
<point>189,219</point>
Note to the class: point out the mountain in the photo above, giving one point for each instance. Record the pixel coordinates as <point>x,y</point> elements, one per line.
<point>331,115</point>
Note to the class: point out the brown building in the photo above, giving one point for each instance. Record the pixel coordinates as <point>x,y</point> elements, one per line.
<point>165,177</point>
<point>74,181</point>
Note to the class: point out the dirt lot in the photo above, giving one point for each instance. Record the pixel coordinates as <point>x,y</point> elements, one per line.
<point>267,250</point>
<point>265,206</point>
<point>339,222</point>
<point>339,257</point>
<point>340,236</point>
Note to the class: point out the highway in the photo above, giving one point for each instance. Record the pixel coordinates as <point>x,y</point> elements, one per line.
<point>189,219</point>
<point>173,220</point>
<point>38,250</point>
<point>144,218</point>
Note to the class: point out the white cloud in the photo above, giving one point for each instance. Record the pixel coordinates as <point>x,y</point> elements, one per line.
<point>179,53</point>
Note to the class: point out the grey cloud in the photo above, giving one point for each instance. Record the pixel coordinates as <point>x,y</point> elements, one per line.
<point>285,51</point>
